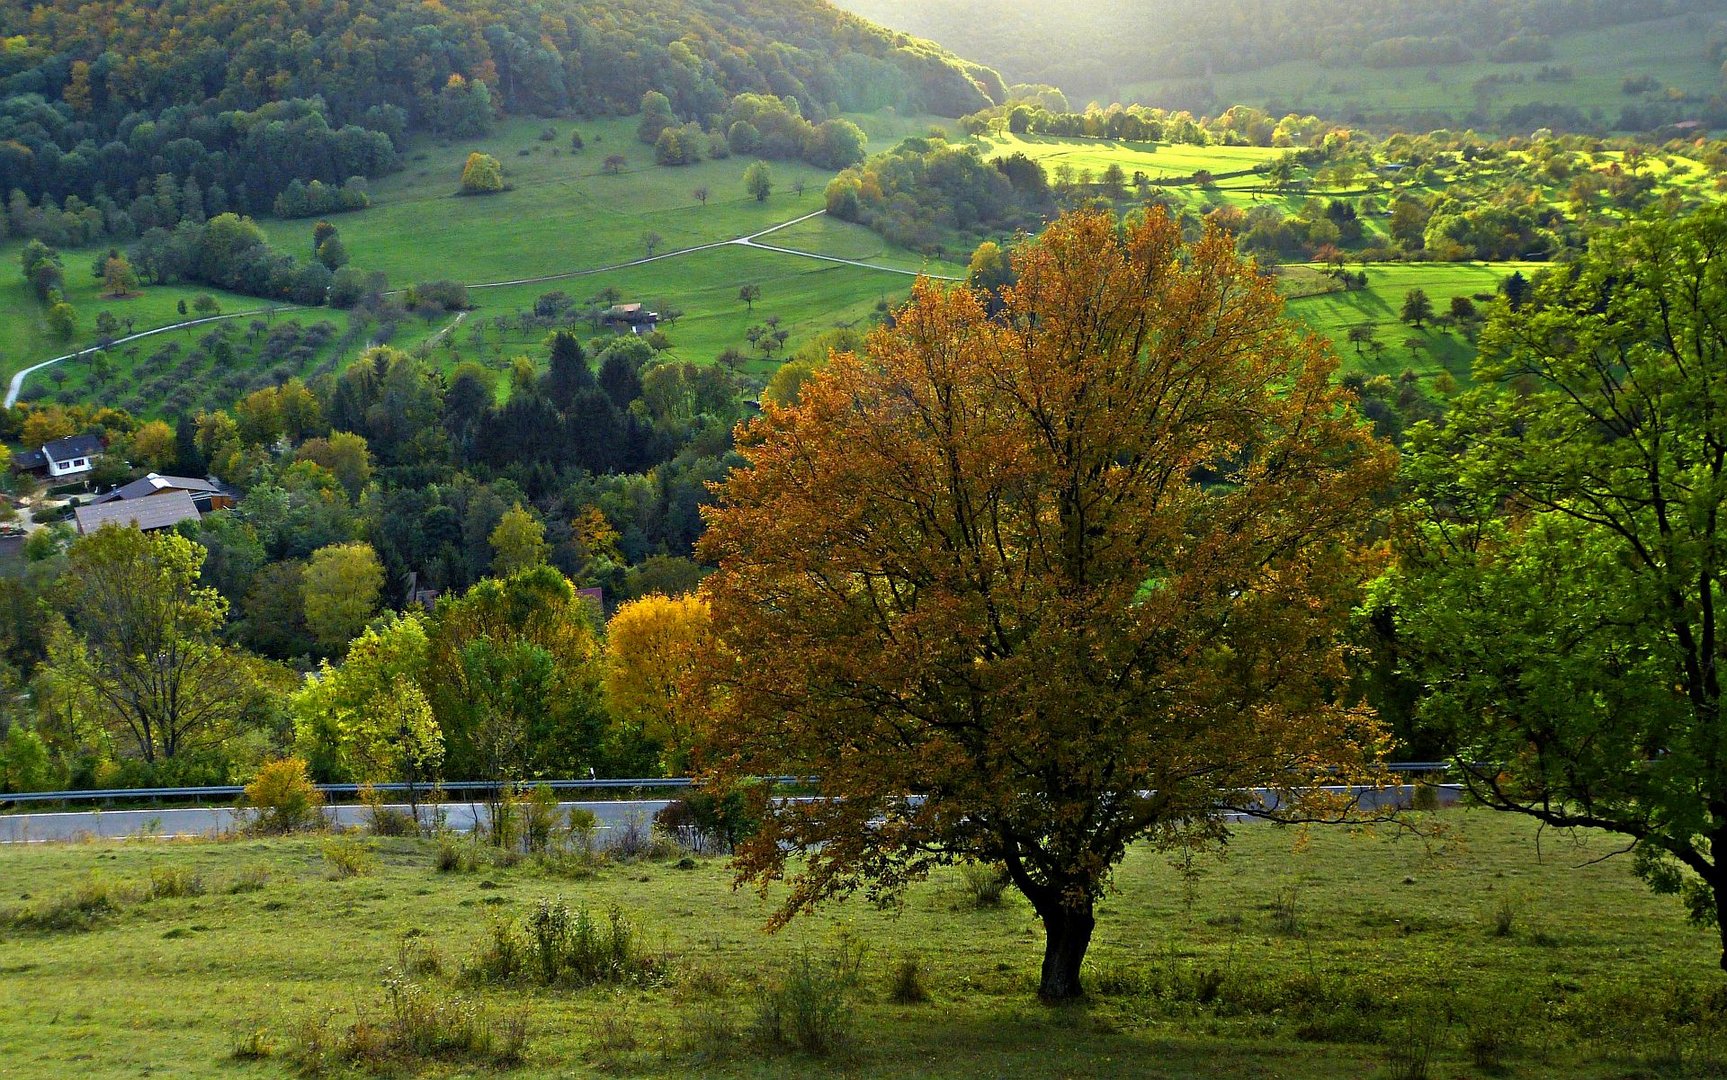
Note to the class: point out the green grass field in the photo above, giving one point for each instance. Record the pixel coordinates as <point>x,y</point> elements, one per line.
<point>1159,161</point>
<point>1380,305</point>
<point>808,296</point>
<point>1337,955</point>
<point>1671,50</point>
<point>563,214</point>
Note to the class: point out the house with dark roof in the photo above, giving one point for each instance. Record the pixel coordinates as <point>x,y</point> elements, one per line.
<point>72,455</point>
<point>207,495</point>
<point>157,512</point>
<point>630,317</point>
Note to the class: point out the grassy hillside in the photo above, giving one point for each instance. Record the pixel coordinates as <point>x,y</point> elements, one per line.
<point>564,216</point>
<point>1301,958</point>
<point>1477,93</point>
<point>1389,62</point>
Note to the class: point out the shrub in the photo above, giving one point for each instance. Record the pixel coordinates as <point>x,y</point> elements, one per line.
<point>454,856</point>
<point>94,899</point>
<point>252,1042</point>
<point>808,1007</point>
<point>385,820</point>
<point>1286,910</point>
<point>539,809</point>
<point>561,947</point>
<point>282,799</point>
<point>584,830</point>
<point>348,856</point>
<point>1410,1043</point>
<point>906,986</point>
<point>174,881</point>
<point>1504,916</point>
<point>412,1023</point>
<point>982,884</point>
<point>251,879</point>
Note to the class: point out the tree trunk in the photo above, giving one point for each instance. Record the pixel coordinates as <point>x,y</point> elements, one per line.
<point>1067,934</point>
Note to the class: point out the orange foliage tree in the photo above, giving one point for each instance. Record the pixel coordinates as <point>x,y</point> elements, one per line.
<point>1032,586</point>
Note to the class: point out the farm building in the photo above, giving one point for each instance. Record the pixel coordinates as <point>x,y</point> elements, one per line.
<point>630,317</point>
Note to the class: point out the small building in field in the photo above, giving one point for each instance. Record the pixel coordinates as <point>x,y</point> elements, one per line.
<point>631,318</point>
<point>72,455</point>
<point>207,495</point>
<point>158,512</point>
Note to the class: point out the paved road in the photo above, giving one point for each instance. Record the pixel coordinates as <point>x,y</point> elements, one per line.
<point>612,815</point>
<point>213,821</point>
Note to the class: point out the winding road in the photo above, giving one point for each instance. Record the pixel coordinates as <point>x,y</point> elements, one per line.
<point>16,386</point>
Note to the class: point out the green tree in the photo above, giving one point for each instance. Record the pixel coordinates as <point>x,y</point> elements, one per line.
<point>1559,594</point>
<point>139,652</point>
<point>334,254</point>
<point>656,117</point>
<point>481,175</point>
<point>340,590</point>
<point>1074,572</point>
<point>758,180</point>
<point>369,720</point>
<point>1417,308</point>
<point>62,320</point>
<point>518,542</point>
<point>43,271</point>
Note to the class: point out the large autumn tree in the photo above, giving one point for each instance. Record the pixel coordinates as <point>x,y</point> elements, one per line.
<point>1032,586</point>
<point>1559,595</point>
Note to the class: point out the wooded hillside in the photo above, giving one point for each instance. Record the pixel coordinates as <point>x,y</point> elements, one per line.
<point>98,96</point>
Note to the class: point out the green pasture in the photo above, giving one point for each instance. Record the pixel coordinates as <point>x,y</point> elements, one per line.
<point>25,340</point>
<point>1672,50</point>
<point>1159,161</point>
<point>1428,351</point>
<point>848,240</point>
<point>807,296</point>
<point>1497,951</point>
<point>562,214</point>
<point>563,211</point>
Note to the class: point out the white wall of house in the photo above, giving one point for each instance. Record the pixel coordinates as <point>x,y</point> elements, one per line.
<point>71,466</point>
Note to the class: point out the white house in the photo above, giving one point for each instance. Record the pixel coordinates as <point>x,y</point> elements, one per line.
<point>73,455</point>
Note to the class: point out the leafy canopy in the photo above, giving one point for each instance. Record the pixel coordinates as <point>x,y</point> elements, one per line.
<point>1069,574</point>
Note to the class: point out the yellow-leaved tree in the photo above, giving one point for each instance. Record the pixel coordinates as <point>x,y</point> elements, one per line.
<point>652,645</point>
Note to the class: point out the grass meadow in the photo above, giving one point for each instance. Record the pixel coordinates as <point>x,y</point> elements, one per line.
<point>1491,951</point>
<point>563,213</point>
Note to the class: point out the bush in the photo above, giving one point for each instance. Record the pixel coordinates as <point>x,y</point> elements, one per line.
<point>174,881</point>
<point>348,856</point>
<point>94,899</point>
<point>983,884</point>
<point>561,947</point>
<point>808,1007</point>
<point>906,986</point>
<point>539,810</point>
<point>412,1023</point>
<point>282,798</point>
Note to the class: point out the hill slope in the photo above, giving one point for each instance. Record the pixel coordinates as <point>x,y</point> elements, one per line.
<point>98,97</point>
<point>1273,52</point>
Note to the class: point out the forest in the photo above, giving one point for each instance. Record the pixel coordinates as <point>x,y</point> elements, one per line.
<point>110,102</point>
